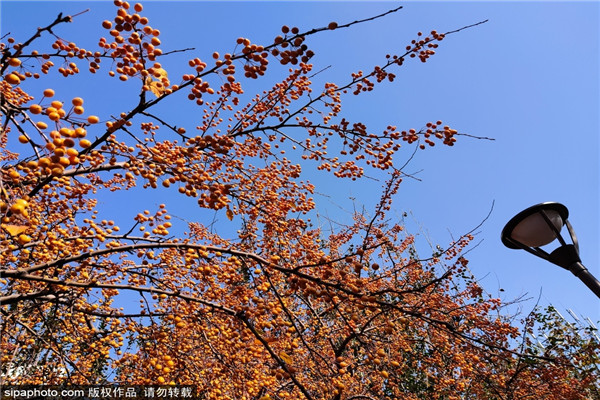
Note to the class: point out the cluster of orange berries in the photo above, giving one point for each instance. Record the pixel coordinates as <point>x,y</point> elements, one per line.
<point>364,85</point>
<point>381,74</point>
<point>198,65</point>
<point>446,133</point>
<point>72,51</point>
<point>129,49</point>
<point>164,366</point>
<point>423,47</point>
<point>19,207</point>
<point>63,140</point>
<point>198,89</point>
<point>256,58</point>
<point>216,198</point>
<point>298,50</point>
<point>15,77</point>
<point>15,95</point>
<point>154,221</point>
<point>70,68</point>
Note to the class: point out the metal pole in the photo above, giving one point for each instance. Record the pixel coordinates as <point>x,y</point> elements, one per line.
<point>586,277</point>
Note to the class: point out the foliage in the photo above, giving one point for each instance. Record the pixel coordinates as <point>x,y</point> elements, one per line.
<point>280,309</point>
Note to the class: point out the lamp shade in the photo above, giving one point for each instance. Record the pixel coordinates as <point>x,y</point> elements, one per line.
<point>536,226</point>
<point>534,230</point>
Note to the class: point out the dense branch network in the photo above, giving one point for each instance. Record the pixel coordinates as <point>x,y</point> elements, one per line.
<point>278,310</point>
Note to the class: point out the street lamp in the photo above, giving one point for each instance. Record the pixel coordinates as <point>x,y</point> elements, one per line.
<point>540,225</point>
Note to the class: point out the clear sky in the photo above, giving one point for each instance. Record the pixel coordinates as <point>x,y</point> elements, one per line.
<point>527,78</point>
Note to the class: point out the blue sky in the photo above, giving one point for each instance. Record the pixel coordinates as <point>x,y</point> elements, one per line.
<point>527,78</point>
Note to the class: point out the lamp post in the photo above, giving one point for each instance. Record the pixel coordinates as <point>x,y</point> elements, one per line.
<point>540,225</point>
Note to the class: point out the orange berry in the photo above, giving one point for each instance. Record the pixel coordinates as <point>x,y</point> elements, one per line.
<point>72,153</point>
<point>138,7</point>
<point>78,110</point>
<point>57,170</point>
<point>17,208</point>
<point>23,139</point>
<point>12,78</point>
<point>92,119</point>
<point>77,101</point>
<point>57,104</point>
<point>64,161</point>
<point>48,93</point>
<point>85,143</point>
<point>14,62</point>
<point>106,24</point>
<point>41,125</point>
<point>66,132</point>
<point>215,55</point>
<point>35,109</point>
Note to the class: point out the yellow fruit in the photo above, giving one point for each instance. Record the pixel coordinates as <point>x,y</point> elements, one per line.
<point>85,143</point>
<point>41,125</point>
<point>23,139</point>
<point>48,93</point>
<point>92,119</point>
<point>24,239</point>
